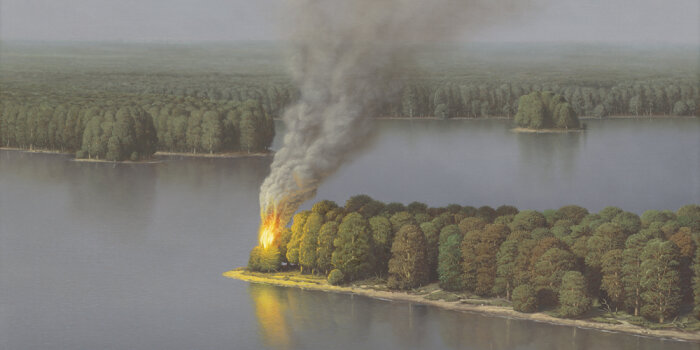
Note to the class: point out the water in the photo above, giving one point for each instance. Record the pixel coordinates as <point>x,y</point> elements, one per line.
<point>98,256</point>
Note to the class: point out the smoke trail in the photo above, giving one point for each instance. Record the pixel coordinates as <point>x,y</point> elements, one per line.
<point>346,53</point>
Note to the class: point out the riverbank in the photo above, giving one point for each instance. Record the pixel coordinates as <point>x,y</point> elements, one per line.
<point>432,295</point>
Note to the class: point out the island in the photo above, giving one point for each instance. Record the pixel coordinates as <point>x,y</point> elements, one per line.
<point>545,111</point>
<point>610,270</point>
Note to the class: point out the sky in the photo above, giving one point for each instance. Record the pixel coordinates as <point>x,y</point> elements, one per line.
<point>612,21</point>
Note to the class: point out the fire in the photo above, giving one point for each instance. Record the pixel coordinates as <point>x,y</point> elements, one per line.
<point>269,230</point>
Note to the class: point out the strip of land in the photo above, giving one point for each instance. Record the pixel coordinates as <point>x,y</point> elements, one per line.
<point>155,155</point>
<point>431,295</point>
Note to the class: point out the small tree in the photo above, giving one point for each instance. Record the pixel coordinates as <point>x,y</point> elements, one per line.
<point>264,260</point>
<point>573,300</point>
<point>524,298</point>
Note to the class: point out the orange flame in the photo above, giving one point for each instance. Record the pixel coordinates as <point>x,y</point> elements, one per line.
<point>269,230</point>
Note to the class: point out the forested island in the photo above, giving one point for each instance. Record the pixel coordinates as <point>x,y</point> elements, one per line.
<point>545,111</point>
<point>612,266</point>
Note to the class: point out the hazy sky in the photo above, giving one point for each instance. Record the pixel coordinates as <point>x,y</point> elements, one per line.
<point>638,21</point>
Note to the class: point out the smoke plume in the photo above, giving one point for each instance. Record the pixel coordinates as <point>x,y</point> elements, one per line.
<point>346,58</point>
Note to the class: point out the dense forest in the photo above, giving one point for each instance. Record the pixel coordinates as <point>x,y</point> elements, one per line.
<point>219,98</point>
<point>120,128</point>
<point>469,81</point>
<point>567,259</point>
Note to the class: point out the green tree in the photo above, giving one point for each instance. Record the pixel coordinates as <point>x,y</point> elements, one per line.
<point>528,220</point>
<point>407,268</point>
<point>506,269</point>
<point>264,260</point>
<point>382,237</point>
<point>573,300</point>
<point>632,272</point>
<point>660,280</point>
<point>572,212</point>
<point>548,272</point>
<point>506,210</point>
<point>353,252</point>
<point>449,263</point>
<point>309,242</point>
<point>295,240</point>
<point>212,131</point>
<point>401,219</point>
<point>432,239</point>
<point>607,237</point>
<point>524,298</point>
<point>324,249</point>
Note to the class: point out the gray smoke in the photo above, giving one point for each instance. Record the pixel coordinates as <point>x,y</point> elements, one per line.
<point>346,57</point>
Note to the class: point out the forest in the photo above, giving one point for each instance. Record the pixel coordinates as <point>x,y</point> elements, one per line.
<point>567,259</point>
<point>117,128</point>
<point>126,101</point>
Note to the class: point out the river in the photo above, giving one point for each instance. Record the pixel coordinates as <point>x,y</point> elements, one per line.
<point>130,256</point>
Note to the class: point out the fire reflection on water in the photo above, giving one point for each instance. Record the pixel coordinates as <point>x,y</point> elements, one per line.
<point>270,311</point>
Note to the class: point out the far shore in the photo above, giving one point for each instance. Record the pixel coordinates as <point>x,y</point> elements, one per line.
<point>545,131</point>
<point>296,280</point>
<point>153,160</point>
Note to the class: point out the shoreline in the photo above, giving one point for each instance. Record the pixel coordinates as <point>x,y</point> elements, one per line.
<point>320,284</point>
<point>158,157</point>
<point>545,131</point>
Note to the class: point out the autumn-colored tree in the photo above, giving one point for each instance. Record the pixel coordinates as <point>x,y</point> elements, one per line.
<point>611,267</point>
<point>407,268</point>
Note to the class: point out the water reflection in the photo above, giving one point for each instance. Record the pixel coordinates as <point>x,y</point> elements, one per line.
<point>270,311</point>
<point>289,318</point>
<point>549,157</point>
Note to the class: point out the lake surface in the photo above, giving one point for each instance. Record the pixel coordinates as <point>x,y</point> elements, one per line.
<point>103,256</point>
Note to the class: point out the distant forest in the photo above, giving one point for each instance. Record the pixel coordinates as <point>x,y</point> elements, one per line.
<point>565,259</point>
<point>218,98</point>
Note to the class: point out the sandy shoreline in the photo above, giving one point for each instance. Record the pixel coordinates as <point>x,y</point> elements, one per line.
<point>499,311</point>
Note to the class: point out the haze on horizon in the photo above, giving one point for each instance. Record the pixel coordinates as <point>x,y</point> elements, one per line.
<point>607,21</point>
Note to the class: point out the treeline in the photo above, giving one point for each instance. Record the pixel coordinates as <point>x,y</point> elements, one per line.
<point>467,100</point>
<point>132,127</point>
<point>453,98</point>
<point>566,258</point>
